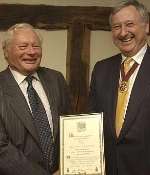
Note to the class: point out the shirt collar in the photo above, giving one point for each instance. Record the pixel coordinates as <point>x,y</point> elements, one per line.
<point>139,56</point>
<point>20,77</point>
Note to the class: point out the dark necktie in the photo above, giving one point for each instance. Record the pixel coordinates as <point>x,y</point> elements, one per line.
<point>42,125</point>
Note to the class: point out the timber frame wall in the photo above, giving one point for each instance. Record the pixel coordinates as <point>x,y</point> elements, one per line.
<point>78,21</point>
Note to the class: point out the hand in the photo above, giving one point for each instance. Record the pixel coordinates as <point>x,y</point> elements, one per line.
<point>56,173</point>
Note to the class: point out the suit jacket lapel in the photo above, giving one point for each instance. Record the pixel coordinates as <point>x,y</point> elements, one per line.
<point>112,96</point>
<point>18,103</point>
<point>139,91</point>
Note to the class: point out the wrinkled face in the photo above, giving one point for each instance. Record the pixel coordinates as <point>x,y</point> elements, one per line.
<point>24,52</point>
<point>129,31</point>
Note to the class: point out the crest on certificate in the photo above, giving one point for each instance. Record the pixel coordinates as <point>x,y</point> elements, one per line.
<point>81,126</point>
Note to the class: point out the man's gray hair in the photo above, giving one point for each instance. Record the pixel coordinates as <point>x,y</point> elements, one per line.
<point>10,32</point>
<point>139,7</point>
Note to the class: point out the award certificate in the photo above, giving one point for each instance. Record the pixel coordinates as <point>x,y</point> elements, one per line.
<point>82,144</point>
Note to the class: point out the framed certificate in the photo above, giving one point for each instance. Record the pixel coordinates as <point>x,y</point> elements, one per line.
<point>82,145</point>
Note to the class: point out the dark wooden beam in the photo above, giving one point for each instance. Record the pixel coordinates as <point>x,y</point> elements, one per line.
<point>78,59</point>
<point>53,17</point>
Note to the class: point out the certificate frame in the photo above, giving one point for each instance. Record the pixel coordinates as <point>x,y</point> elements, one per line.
<point>82,144</point>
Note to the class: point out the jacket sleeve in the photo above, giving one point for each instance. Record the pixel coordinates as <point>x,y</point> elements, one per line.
<point>12,160</point>
<point>94,101</point>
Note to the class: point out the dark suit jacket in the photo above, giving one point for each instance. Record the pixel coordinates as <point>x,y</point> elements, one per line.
<point>20,153</point>
<point>129,154</point>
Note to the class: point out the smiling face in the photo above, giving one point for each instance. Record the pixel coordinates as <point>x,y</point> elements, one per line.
<point>23,52</point>
<point>129,31</point>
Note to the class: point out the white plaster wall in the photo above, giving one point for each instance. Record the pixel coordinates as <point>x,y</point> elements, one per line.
<point>101,47</point>
<point>55,50</point>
